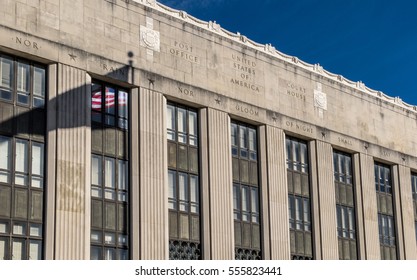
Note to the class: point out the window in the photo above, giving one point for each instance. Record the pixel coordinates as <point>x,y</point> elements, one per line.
<point>386,222</point>
<point>414,192</point>
<point>299,199</point>
<point>246,194</point>
<point>22,98</point>
<point>109,173</point>
<point>22,149</point>
<point>183,183</point>
<point>345,206</point>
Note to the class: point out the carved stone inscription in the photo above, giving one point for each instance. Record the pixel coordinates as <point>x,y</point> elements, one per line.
<point>299,126</point>
<point>293,89</point>
<point>184,51</point>
<point>186,91</point>
<point>27,43</point>
<point>345,141</point>
<point>247,110</point>
<point>245,73</point>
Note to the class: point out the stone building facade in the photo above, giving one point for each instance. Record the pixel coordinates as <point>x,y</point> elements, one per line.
<point>129,130</point>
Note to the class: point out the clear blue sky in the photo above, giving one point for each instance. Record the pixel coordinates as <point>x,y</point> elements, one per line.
<point>373,41</point>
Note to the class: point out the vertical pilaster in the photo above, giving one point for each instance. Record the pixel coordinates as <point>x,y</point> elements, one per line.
<point>134,173</point>
<point>221,191</point>
<point>327,201</point>
<point>359,207</point>
<point>153,176</point>
<point>277,194</point>
<point>51,162</point>
<point>263,179</point>
<point>72,228</point>
<point>315,205</point>
<point>370,209</point>
<point>398,212</point>
<point>407,209</point>
<point>205,188</point>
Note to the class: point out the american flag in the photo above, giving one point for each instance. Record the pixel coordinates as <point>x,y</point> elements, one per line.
<point>110,100</point>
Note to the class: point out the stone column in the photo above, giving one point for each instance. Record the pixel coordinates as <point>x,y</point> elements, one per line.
<point>221,191</point>
<point>134,173</point>
<point>398,211</point>
<point>370,210</point>
<point>205,186</point>
<point>263,184</point>
<point>153,197</point>
<point>72,228</point>
<point>327,201</point>
<point>277,194</point>
<point>357,192</point>
<point>315,204</point>
<point>50,162</point>
<point>407,209</point>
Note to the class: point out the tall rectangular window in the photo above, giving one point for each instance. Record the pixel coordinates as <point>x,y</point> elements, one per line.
<point>246,192</point>
<point>183,183</point>
<point>345,206</point>
<point>414,193</point>
<point>109,173</point>
<point>386,221</point>
<point>22,148</point>
<point>299,199</point>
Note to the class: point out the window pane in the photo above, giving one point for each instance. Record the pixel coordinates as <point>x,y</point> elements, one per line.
<point>182,125</point>
<point>171,122</point>
<point>6,72</point>
<point>123,103</point>
<point>183,191</point>
<point>110,216</point>
<point>123,183</point>
<point>252,139</point>
<point>234,134</point>
<point>109,254</point>
<point>109,173</point>
<point>236,200</point>
<point>5,159</point>
<point>192,123</point>
<point>23,77</point>
<point>4,248</point>
<point>35,250</point>
<point>20,203</point>
<point>18,249</point>
<point>21,156</point>
<point>36,205</point>
<point>5,201</point>
<point>245,203</point>
<point>255,205</point>
<point>182,120</point>
<point>37,159</point>
<point>172,190</point>
<point>194,194</point>
<point>35,230</point>
<point>39,82</point>
<point>110,100</point>
<point>243,137</point>
<point>96,170</point>
<point>95,253</point>
<point>96,97</point>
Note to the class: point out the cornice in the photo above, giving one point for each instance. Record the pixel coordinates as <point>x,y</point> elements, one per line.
<point>214,27</point>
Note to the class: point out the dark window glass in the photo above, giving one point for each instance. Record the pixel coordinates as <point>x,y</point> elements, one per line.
<point>345,207</point>
<point>22,123</point>
<point>299,199</point>
<point>109,173</point>
<point>246,192</point>
<point>386,221</point>
<point>183,183</point>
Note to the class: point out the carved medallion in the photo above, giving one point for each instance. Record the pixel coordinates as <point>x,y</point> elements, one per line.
<point>150,38</point>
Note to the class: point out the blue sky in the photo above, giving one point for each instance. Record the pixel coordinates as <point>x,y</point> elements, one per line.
<point>373,41</point>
